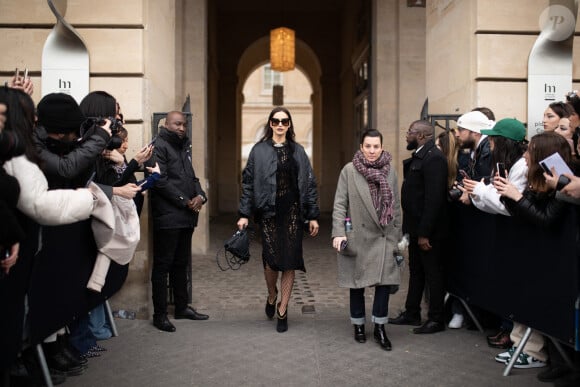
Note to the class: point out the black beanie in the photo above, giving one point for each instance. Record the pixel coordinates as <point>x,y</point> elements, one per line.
<point>59,113</point>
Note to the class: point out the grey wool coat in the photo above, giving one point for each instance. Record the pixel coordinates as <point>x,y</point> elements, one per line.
<point>368,258</point>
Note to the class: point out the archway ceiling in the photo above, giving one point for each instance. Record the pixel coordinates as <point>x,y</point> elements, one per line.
<point>282,7</point>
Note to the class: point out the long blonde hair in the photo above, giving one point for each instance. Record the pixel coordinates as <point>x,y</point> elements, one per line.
<point>448,145</point>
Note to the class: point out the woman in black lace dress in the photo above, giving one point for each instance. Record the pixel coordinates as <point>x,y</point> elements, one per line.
<point>279,189</point>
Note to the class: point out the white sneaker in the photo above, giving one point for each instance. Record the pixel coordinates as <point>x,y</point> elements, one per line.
<point>505,356</point>
<point>456,322</point>
<point>526,361</point>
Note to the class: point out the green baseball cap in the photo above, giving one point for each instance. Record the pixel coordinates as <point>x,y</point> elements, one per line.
<point>509,128</point>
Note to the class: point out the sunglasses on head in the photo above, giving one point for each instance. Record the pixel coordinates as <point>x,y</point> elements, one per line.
<point>283,121</point>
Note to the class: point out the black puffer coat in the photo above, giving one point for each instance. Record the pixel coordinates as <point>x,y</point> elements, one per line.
<point>177,184</point>
<point>71,165</point>
<point>259,183</point>
<point>540,209</point>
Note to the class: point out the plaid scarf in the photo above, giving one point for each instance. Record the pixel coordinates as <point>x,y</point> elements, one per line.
<point>376,172</point>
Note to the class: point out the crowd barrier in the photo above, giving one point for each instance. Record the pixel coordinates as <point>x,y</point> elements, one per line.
<point>516,270</point>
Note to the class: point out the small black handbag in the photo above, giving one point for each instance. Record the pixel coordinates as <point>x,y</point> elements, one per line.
<point>236,250</point>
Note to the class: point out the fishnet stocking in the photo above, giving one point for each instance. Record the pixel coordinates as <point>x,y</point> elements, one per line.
<point>271,279</point>
<point>286,285</point>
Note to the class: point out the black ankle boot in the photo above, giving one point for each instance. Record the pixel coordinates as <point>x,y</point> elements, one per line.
<point>359,333</point>
<point>56,360</point>
<point>282,325</point>
<point>381,337</point>
<point>70,353</point>
<point>271,308</point>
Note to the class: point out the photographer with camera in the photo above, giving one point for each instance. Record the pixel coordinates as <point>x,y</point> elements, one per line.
<point>99,107</point>
<point>116,170</point>
<point>37,205</point>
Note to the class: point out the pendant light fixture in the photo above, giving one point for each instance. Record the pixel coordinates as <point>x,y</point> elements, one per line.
<point>282,49</point>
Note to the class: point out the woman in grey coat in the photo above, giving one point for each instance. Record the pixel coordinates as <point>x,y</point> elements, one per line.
<point>367,193</point>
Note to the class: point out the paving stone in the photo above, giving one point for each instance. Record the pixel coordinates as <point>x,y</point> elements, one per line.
<point>239,346</point>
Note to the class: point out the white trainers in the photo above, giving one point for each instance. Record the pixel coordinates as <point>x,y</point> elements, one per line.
<point>505,356</point>
<point>456,322</point>
<point>526,361</point>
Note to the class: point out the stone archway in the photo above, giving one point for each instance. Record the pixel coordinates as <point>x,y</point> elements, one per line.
<point>257,54</point>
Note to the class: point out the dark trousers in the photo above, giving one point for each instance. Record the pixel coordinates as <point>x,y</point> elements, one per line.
<point>171,254</point>
<point>380,303</point>
<point>426,266</point>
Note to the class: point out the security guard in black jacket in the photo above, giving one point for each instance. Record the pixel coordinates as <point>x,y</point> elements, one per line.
<point>423,199</point>
<point>176,200</point>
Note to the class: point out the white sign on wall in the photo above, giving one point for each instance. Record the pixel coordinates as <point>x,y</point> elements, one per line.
<point>550,61</point>
<point>65,59</point>
<point>542,91</point>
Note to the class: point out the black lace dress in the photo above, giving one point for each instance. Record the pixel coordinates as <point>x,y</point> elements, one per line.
<point>282,233</point>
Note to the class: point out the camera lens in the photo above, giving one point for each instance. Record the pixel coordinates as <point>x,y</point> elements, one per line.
<point>455,194</point>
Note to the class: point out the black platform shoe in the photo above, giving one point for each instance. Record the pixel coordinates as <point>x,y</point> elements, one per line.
<point>271,308</point>
<point>359,334</point>
<point>282,325</point>
<point>381,337</point>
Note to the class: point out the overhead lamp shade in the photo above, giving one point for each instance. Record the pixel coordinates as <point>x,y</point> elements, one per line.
<point>282,49</point>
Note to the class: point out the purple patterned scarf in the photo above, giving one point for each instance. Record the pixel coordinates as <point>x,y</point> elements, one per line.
<point>376,172</point>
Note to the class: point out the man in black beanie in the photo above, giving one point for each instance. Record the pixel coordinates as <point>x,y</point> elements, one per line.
<point>68,159</point>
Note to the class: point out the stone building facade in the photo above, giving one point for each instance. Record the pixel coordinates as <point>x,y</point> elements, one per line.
<point>368,62</point>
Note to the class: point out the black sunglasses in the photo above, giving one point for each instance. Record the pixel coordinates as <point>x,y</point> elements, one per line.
<point>283,121</point>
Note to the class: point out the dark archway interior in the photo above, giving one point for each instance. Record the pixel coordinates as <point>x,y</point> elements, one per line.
<point>332,31</point>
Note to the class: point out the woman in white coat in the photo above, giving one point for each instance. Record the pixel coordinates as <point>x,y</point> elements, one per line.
<point>38,206</point>
<point>367,193</point>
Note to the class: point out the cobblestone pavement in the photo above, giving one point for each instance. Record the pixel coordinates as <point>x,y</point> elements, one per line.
<point>239,346</point>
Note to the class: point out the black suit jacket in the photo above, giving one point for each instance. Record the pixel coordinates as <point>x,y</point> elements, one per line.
<point>424,193</point>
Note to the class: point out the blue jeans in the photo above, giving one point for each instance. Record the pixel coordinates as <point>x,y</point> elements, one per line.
<point>81,337</point>
<point>98,323</point>
<point>380,305</point>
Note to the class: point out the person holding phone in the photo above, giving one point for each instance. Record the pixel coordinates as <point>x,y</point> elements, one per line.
<point>22,82</point>
<point>121,172</point>
<point>537,204</point>
<point>367,193</point>
<point>470,136</point>
<point>507,144</point>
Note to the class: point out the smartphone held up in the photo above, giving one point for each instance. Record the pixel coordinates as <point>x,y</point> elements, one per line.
<point>500,168</point>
